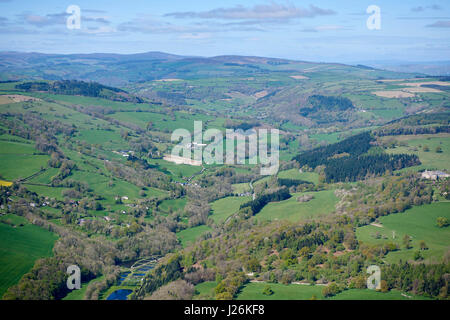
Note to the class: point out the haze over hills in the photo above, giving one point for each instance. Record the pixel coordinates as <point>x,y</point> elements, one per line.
<point>121,69</point>
<point>86,153</point>
<point>431,68</point>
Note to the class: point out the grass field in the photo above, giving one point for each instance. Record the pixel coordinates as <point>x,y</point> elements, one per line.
<point>328,137</point>
<point>190,235</point>
<point>108,139</point>
<point>323,203</point>
<point>430,159</point>
<point>20,247</point>
<point>366,294</point>
<point>241,187</point>
<point>297,175</point>
<point>51,192</point>
<point>17,160</point>
<point>225,207</point>
<point>172,204</point>
<point>161,121</point>
<point>253,291</point>
<point>45,177</point>
<point>79,294</point>
<point>176,170</point>
<point>417,222</point>
<point>205,290</point>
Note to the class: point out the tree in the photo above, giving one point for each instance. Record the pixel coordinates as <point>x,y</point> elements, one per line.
<point>426,148</point>
<point>384,287</point>
<point>407,241</point>
<point>438,149</point>
<point>418,256</point>
<point>330,290</point>
<point>442,222</point>
<point>267,291</point>
<point>423,245</point>
<point>253,265</point>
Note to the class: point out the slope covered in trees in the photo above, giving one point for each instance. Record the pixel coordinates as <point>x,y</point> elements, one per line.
<point>75,87</point>
<point>347,160</point>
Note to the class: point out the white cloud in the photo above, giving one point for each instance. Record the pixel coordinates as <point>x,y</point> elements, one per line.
<point>258,12</point>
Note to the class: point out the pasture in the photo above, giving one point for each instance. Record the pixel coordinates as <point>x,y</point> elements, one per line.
<point>79,294</point>
<point>253,291</point>
<point>190,235</point>
<point>172,205</point>
<point>241,187</point>
<point>225,207</point>
<point>205,290</point>
<point>366,294</point>
<point>297,175</point>
<point>430,159</point>
<point>177,171</point>
<point>323,204</point>
<point>21,244</point>
<point>419,223</point>
<point>19,160</point>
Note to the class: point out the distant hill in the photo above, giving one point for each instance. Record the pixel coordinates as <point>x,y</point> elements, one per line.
<point>122,69</point>
<point>434,68</point>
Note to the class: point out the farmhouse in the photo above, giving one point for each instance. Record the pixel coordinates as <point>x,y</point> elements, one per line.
<point>434,175</point>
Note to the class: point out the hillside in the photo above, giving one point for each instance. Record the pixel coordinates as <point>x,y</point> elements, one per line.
<point>84,145</point>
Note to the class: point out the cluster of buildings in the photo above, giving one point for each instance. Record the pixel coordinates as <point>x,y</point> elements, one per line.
<point>434,175</point>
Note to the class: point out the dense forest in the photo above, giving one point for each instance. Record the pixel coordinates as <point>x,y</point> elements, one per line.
<point>324,109</point>
<point>359,168</point>
<point>75,87</point>
<point>256,205</point>
<point>352,146</point>
<point>347,160</point>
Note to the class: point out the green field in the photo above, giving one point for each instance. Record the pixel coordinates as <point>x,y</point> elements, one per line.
<point>323,204</point>
<point>177,171</point>
<point>173,205</point>
<point>108,139</point>
<point>161,120</point>
<point>225,207</point>
<point>417,222</point>
<point>297,175</point>
<point>45,177</point>
<point>79,294</point>
<point>190,235</point>
<point>430,159</point>
<point>205,290</point>
<point>241,187</point>
<point>365,294</point>
<point>327,137</point>
<point>51,192</point>
<point>17,160</point>
<point>20,247</point>
<point>253,291</point>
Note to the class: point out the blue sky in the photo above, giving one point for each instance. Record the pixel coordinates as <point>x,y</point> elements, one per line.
<point>414,30</point>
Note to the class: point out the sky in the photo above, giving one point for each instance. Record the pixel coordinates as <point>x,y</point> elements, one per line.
<point>323,31</point>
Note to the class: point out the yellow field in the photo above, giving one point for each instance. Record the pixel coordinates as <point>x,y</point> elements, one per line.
<point>5,183</point>
<point>393,94</point>
<point>12,98</point>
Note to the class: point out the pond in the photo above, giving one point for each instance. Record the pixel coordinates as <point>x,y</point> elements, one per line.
<point>123,276</point>
<point>120,294</point>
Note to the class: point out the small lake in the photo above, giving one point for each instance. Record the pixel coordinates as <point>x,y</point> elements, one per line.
<point>120,294</point>
<point>123,276</point>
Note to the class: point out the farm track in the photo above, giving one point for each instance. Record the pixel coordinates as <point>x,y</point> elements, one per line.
<point>34,175</point>
<point>253,197</point>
